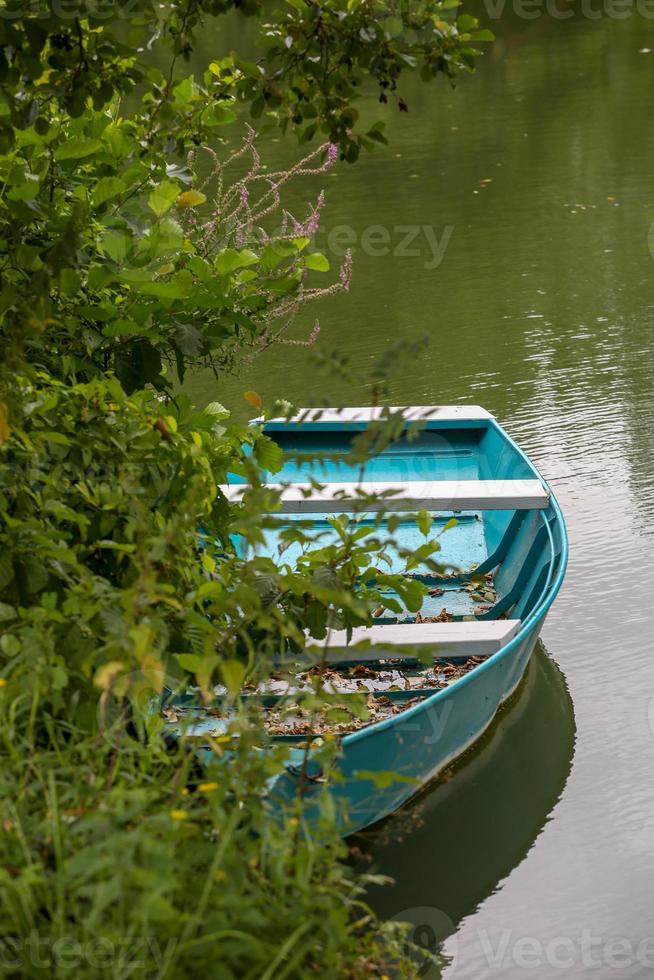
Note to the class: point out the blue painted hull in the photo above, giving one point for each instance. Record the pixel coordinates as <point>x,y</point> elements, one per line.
<point>526,549</point>
<point>420,742</point>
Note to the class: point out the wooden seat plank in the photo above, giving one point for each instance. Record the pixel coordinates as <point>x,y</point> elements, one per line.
<point>434,495</point>
<point>317,417</point>
<point>457,639</point>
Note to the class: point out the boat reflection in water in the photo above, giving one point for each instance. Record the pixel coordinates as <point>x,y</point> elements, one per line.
<point>452,846</point>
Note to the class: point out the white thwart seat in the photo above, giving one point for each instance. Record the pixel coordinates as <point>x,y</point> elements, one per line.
<point>317,417</point>
<point>344,498</point>
<point>460,639</point>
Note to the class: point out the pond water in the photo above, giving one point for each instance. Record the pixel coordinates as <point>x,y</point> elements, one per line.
<point>530,197</point>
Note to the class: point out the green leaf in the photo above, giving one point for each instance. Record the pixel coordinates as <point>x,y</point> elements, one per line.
<point>268,454</point>
<point>216,410</point>
<point>188,339</point>
<point>382,780</point>
<point>116,244</point>
<point>99,276</point>
<point>424,521</point>
<point>483,35</point>
<point>326,577</point>
<point>268,588</point>
<point>179,287</point>
<point>315,618</point>
<point>233,675</point>
<point>163,197</point>
<point>165,238</point>
<point>412,592</point>
<point>25,189</point>
<point>106,188</point>
<point>389,603</point>
<point>185,90</point>
<point>200,268</point>
<point>6,570</point>
<point>466,22</point>
<point>276,252</point>
<point>70,282</point>
<point>10,645</point>
<point>232,258</point>
<point>393,26</point>
<point>77,149</point>
<point>6,612</point>
<point>219,115</point>
<point>317,261</point>
<point>138,365</point>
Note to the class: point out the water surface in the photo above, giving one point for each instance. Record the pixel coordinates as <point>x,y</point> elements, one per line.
<point>540,309</point>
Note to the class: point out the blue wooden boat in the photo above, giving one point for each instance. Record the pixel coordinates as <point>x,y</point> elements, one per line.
<point>460,463</point>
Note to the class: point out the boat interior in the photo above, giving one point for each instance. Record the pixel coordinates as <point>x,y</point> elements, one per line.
<point>502,534</point>
<point>498,560</point>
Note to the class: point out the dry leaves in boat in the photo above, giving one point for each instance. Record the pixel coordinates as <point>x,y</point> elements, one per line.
<point>289,717</point>
<point>339,719</point>
<point>482,589</point>
<point>294,720</point>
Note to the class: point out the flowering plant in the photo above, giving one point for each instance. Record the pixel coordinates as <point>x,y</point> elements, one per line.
<point>250,236</point>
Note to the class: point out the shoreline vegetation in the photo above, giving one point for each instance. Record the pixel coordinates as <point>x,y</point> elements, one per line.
<point>127,263</point>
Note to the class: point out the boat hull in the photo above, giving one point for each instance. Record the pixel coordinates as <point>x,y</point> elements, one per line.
<point>460,464</point>
<point>414,747</point>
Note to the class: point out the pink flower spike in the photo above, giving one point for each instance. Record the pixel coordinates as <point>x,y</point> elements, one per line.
<point>312,224</point>
<point>332,154</point>
<point>345,274</point>
<point>314,220</point>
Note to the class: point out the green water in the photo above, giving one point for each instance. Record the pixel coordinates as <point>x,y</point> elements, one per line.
<point>539,853</point>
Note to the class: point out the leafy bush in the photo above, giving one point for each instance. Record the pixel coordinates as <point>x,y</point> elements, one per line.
<point>316,59</point>
<point>123,569</point>
<point>117,861</point>
<point>120,851</point>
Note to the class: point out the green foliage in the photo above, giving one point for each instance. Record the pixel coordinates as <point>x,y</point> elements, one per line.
<point>123,569</point>
<point>109,590</point>
<point>316,58</point>
<point>99,254</point>
<point>119,863</point>
<point>129,279</point>
<point>107,578</point>
<point>101,498</point>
